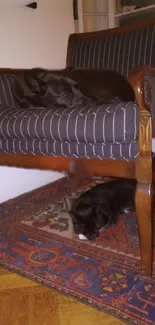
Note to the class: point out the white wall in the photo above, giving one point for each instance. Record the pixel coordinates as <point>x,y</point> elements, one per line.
<point>31,38</point>
<point>15,181</point>
<point>38,37</point>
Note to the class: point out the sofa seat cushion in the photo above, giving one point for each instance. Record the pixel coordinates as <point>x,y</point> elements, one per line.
<point>104,124</point>
<point>114,151</point>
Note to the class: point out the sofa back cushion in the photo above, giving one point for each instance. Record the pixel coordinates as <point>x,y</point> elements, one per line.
<point>6,89</point>
<point>117,52</point>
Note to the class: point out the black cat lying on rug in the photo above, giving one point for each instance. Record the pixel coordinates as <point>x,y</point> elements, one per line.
<point>67,88</point>
<point>101,206</point>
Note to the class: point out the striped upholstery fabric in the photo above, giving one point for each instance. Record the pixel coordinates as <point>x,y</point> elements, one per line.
<point>128,151</point>
<point>101,131</point>
<point>90,124</point>
<point>6,93</point>
<point>119,53</point>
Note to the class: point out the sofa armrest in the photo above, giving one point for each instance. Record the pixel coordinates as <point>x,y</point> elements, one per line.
<point>142,79</point>
<point>139,78</point>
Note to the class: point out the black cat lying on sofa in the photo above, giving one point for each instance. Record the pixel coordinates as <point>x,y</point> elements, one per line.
<point>43,88</point>
<point>67,88</point>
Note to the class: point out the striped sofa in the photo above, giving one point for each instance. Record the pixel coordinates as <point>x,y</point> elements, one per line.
<point>113,140</point>
<point>103,132</point>
<point>107,131</point>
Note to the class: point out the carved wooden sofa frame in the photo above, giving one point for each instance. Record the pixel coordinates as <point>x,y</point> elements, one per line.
<point>141,169</point>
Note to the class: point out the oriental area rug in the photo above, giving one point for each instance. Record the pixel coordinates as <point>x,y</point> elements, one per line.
<point>37,241</point>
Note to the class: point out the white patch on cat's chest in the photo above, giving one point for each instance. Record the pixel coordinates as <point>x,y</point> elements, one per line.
<point>82,237</point>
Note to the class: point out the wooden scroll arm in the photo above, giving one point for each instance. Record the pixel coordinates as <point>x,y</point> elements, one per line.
<point>137,78</point>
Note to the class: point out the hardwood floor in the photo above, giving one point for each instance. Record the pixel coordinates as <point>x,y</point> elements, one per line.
<point>23,302</point>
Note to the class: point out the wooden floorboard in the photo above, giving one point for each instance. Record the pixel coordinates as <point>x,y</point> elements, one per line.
<point>23,302</point>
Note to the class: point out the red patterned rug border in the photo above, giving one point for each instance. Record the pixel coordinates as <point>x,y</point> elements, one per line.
<point>77,297</point>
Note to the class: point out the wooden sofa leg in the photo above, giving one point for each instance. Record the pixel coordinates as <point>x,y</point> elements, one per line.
<point>144,210</point>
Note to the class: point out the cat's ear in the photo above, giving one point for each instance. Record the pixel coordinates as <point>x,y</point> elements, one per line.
<point>32,80</point>
<point>33,83</point>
